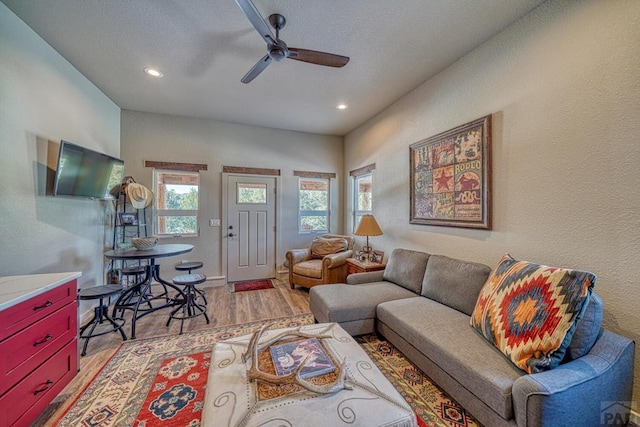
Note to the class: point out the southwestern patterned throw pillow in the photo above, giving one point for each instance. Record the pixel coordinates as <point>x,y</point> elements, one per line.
<point>530,311</point>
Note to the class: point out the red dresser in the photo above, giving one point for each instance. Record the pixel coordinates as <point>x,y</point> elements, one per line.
<point>38,343</point>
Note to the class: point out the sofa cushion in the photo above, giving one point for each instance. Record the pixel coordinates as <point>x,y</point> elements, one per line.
<point>454,282</point>
<point>406,268</point>
<point>310,268</point>
<point>529,311</point>
<point>321,247</point>
<point>443,335</point>
<point>344,303</point>
<point>588,329</point>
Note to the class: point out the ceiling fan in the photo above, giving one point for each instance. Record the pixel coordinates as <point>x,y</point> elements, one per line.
<point>277,50</point>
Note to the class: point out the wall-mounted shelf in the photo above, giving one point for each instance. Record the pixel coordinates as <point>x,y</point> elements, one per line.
<point>129,223</point>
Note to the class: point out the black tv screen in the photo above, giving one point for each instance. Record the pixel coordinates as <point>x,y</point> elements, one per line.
<point>86,173</point>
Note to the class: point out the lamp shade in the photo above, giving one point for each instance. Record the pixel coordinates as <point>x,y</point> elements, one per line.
<point>368,227</point>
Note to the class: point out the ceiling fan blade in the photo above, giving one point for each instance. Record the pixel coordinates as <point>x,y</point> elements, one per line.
<point>316,57</point>
<point>257,69</point>
<point>257,21</point>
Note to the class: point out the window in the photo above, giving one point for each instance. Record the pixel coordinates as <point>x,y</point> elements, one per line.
<point>363,197</point>
<point>176,195</point>
<point>249,193</point>
<point>313,214</point>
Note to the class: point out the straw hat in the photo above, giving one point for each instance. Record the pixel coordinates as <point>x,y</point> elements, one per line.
<point>139,195</point>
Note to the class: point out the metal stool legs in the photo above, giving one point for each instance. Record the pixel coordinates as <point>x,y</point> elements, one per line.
<point>100,315</point>
<point>192,265</point>
<point>189,307</point>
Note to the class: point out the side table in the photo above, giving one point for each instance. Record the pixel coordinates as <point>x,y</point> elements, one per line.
<point>356,266</point>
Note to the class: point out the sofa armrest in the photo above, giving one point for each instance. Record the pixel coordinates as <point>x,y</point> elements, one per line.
<point>295,256</point>
<point>587,386</point>
<point>369,276</point>
<point>336,260</point>
<point>334,267</point>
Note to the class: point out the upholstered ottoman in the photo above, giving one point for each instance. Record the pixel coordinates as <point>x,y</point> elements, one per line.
<point>234,400</point>
<point>353,306</point>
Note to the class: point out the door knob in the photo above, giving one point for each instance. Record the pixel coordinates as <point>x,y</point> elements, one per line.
<point>230,234</point>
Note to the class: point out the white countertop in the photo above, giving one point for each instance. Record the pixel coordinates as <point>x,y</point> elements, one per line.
<point>15,289</point>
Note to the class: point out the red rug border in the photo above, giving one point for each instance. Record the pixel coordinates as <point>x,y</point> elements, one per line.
<point>270,280</point>
<point>75,400</point>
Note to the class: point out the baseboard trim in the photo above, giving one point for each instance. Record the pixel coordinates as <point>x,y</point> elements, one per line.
<point>214,281</point>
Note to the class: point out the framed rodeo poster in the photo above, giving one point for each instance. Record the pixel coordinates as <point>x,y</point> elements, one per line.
<point>451,177</point>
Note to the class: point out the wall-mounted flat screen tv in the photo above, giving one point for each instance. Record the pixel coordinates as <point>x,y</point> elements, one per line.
<point>86,173</point>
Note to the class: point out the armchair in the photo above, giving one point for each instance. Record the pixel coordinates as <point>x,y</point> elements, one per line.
<point>321,263</point>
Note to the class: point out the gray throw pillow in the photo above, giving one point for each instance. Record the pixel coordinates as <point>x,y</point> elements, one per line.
<point>588,330</point>
<point>454,282</point>
<point>406,268</point>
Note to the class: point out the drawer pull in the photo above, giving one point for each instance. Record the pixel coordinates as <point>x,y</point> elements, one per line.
<point>46,387</point>
<point>42,341</point>
<point>40,307</point>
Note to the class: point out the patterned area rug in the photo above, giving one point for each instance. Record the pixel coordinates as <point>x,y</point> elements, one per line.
<point>432,405</point>
<point>252,285</point>
<point>161,381</point>
<point>157,381</point>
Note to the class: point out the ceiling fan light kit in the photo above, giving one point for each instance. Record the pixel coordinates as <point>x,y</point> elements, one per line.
<point>277,50</point>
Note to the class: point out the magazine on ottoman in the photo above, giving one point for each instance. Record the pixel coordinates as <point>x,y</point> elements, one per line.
<point>288,356</point>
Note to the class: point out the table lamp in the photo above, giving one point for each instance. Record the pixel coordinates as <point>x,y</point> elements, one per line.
<point>368,227</point>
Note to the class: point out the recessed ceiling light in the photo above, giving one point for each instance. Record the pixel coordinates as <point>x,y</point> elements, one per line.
<point>341,106</point>
<point>153,72</point>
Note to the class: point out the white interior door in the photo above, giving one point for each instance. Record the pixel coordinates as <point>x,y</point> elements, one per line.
<point>251,230</point>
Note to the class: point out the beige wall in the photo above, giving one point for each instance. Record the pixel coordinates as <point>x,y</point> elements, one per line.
<point>147,136</point>
<point>563,87</point>
<point>43,99</point>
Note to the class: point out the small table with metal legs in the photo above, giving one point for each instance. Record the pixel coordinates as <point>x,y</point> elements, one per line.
<point>140,293</point>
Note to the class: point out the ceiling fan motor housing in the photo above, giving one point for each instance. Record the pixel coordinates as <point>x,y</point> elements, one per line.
<point>279,52</point>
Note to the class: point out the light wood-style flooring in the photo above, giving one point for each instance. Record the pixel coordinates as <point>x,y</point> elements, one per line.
<point>224,308</point>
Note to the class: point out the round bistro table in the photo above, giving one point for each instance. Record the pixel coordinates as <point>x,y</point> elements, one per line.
<point>140,293</point>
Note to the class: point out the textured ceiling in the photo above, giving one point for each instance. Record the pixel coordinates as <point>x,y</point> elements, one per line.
<point>204,47</point>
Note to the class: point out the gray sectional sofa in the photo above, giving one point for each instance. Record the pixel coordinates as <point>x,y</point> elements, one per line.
<point>422,304</point>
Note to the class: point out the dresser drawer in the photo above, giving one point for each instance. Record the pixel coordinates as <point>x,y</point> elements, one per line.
<point>23,352</point>
<point>31,395</point>
<point>21,315</point>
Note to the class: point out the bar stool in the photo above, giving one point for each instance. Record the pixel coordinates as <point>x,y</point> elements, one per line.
<point>132,274</point>
<point>192,265</point>
<point>100,313</point>
<point>188,266</point>
<point>189,305</point>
